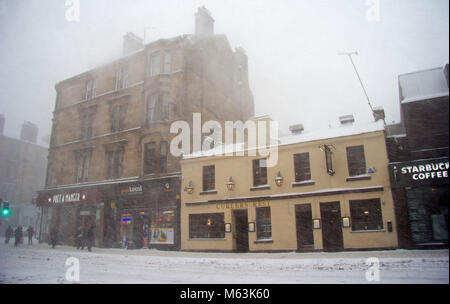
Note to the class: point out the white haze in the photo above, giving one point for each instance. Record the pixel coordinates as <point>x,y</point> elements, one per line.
<point>295,73</point>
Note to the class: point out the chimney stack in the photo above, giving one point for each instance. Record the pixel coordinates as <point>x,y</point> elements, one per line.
<point>378,113</point>
<point>204,23</point>
<point>131,43</point>
<point>297,129</point>
<point>29,132</point>
<point>347,120</point>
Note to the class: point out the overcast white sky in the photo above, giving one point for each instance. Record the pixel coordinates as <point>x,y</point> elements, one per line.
<point>295,73</point>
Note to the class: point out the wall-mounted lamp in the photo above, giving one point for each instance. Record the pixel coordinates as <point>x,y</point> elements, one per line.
<point>230,184</point>
<point>190,188</point>
<point>279,179</point>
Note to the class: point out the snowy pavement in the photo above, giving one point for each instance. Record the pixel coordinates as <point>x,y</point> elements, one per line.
<point>42,264</point>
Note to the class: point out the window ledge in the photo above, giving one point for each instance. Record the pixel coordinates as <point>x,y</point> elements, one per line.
<point>208,192</point>
<point>206,239</point>
<point>362,231</point>
<point>262,187</point>
<point>263,241</point>
<point>359,177</point>
<point>303,183</point>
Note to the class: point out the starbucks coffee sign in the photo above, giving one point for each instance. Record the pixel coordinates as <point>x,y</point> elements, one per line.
<point>420,173</point>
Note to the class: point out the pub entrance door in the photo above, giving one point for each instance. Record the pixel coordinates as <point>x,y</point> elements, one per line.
<point>241,230</point>
<point>331,226</point>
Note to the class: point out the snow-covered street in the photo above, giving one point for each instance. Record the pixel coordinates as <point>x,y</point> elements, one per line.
<point>42,264</point>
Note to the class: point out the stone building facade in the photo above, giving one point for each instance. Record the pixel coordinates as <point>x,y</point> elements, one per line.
<point>109,151</point>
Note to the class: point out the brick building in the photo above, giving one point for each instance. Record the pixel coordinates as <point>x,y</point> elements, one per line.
<point>109,160</point>
<point>419,164</point>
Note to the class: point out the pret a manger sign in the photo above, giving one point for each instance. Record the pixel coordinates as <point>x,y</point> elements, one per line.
<point>423,172</point>
<point>66,198</point>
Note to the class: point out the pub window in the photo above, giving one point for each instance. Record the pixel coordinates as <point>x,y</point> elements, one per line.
<point>163,149</point>
<point>302,167</point>
<point>155,64</point>
<point>167,62</point>
<point>356,160</point>
<point>209,178</point>
<point>158,107</point>
<point>366,215</point>
<point>150,158</point>
<point>114,160</point>
<point>263,223</point>
<point>82,159</point>
<point>207,226</point>
<point>118,114</point>
<point>259,172</point>
<point>122,78</point>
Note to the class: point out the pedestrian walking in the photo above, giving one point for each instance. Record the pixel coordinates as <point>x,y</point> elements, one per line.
<point>8,234</point>
<point>90,237</point>
<point>53,236</point>
<point>79,238</point>
<point>30,232</point>
<point>18,234</point>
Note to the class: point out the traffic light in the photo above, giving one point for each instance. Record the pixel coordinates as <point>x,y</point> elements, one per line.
<point>5,209</point>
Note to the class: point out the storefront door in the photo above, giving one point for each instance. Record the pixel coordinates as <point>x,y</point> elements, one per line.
<point>305,238</point>
<point>330,214</point>
<point>241,228</point>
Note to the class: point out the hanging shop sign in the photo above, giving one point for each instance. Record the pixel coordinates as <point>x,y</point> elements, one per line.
<point>427,172</point>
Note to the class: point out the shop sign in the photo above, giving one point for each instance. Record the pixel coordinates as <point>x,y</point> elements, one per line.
<point>85,196</point>
<point>243,205</point>
<point>420,173</point>
<point>66,198</point>
<point>132,189</point>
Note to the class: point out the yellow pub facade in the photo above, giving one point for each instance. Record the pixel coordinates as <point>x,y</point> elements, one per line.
<point>329,191</point>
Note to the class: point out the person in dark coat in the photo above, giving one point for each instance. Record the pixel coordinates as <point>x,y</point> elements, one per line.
<point>18,234</point>
<point>8,234</point>
<point>90,237</point>
<point>30,232</point>
<point>79,238</point>
<point>53,236</point>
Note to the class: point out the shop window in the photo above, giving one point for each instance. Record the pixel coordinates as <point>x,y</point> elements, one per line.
<point>209,173</point>
<point>302,167</point>
<point>163,226</point>
<point>158,107</point>
<point>118,114</point>
<point>263,224</point>
<point>356,160</point>
<point>366,215</point>
<point>150,158</point>
<point>114,160</point>
<point>207,226</point>
<point>259,172</point>
<point>163,150</point>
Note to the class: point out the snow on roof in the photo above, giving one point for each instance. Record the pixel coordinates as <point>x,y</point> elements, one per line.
<point>315,135</point>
